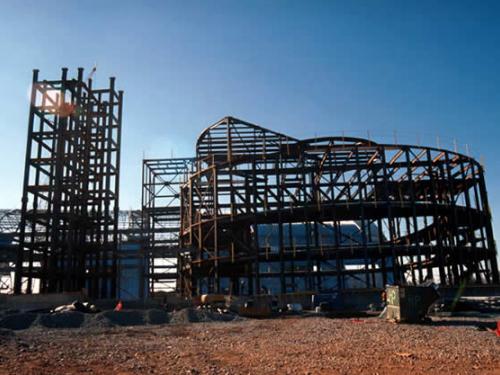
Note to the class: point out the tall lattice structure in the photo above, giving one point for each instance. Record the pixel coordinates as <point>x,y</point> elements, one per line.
<point>161,211</point>
<point>69,214</point>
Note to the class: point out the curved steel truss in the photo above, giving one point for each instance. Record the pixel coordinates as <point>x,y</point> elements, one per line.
<point>263,211</point>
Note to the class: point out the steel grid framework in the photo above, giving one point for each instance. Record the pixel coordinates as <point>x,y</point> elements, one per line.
<point>421,213</point>
<point>9,233</point>
<point>161,181</point>
<point>69,214</point>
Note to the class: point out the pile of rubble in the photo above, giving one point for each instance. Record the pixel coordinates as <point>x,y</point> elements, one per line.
<point>106,319</point>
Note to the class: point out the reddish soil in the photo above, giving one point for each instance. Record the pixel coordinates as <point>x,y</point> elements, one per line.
<point>276,346</point>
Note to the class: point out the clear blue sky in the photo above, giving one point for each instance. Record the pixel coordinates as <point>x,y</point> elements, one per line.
<point>421,68</point>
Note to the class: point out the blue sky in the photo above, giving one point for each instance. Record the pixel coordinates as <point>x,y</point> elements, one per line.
<point>422,69</point>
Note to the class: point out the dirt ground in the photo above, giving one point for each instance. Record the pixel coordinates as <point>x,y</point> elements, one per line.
<point>294,345</point>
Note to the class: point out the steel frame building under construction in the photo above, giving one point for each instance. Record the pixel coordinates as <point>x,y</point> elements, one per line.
<point>69,213</point>
<point>263,212</point>
<point>254,211</point>
<point>161,183</point>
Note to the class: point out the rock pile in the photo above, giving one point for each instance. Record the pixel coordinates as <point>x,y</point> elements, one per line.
<point>107,319</point>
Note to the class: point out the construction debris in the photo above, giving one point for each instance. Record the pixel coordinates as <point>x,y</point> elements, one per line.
<point>110,318</point>
<point>84,307</point>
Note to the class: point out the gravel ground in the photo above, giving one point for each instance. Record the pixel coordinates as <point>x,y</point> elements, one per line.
<point>294,345</point>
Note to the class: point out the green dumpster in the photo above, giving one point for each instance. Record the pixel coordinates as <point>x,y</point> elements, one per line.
<point>409,303</point>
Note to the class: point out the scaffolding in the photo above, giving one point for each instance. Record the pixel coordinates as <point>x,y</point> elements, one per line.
<point>263,211</point>
<point>69,214</point>
<point>9,234</point>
